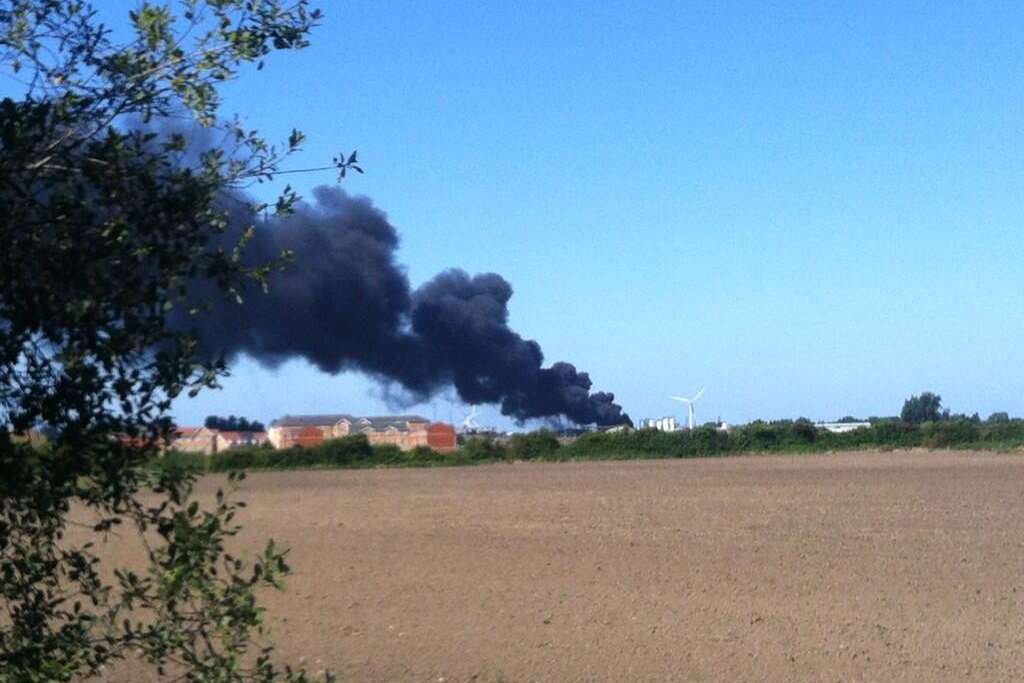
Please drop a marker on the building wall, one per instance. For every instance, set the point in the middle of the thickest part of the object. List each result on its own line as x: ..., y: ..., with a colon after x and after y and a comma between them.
x: 842, y: 427
x: 278, y: 435
x: 200, y: 441
x: 308, y: 437
x: 303, y: 435
x: 439, y: 436
x: 229, y: 440
x: 664, y: 424
x: 442, y: 437
x: 406, y: 440
x: 338, y: 430
x: 288, y: 436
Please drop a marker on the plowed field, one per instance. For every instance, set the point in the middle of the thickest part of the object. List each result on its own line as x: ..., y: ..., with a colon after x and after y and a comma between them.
x: 853, y: 567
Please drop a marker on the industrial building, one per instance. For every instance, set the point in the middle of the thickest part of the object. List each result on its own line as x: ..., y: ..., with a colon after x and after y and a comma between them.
x: 842, y: 427
x: 663, y: 424
x: 405, y: 431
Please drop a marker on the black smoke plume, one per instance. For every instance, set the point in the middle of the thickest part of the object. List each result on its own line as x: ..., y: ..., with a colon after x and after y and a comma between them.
x: 345, y: 304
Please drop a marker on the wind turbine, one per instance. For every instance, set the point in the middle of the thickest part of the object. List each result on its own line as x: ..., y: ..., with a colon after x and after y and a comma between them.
x: 691, y: 413
x: 470, y: 424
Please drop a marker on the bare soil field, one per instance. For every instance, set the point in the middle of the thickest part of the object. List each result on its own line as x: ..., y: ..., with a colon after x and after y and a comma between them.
x: 853, y: 567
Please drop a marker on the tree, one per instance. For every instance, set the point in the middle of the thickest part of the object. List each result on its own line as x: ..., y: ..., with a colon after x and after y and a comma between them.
x: 999, y: 417
x: 233, y: 424
x: 104, y: 227
x: 805, y: 430
x: 924, y: 408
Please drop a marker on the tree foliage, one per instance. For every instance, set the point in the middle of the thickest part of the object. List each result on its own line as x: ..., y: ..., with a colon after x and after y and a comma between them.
x: 233, y: 424
x: 532, y: 445
x: 924, y: 408
x: 104, y: 227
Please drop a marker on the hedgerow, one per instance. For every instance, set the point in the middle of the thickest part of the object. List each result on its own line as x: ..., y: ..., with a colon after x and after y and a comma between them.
x: 798, y: 436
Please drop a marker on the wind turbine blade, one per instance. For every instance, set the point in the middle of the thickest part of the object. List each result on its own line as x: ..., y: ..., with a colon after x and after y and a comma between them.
x: 679, y: 398
x: 699, y: 393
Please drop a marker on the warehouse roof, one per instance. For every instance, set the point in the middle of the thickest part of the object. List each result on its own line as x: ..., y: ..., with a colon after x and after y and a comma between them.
x: 310, y: 420
x: 381, y: 422
x: 377, y: 423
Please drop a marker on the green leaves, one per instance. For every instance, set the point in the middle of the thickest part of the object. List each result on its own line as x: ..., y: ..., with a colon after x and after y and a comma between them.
x: 152, y: 24
x: 349, y: 164
x: 105, y: 231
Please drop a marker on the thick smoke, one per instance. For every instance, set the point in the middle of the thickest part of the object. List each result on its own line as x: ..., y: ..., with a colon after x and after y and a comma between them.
x: 345, y: 304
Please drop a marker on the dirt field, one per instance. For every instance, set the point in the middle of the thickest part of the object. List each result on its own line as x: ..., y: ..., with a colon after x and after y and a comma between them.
x: 860, y: 567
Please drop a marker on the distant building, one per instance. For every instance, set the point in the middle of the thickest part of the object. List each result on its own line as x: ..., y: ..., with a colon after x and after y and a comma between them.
x: 405, y: 431
x: 206, y: 440
x: 616, y: 429
x: 662, y: 424
x: 442, y: 437
x: 307, y: 430
x: 195, y: 440
x: 841, y: 427
x: 227, y: 440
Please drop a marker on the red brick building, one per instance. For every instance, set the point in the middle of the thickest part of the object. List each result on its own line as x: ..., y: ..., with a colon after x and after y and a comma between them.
x: 441, y: 437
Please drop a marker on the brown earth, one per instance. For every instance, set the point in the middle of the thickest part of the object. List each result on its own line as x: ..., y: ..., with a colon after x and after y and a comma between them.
x: 855, y: 567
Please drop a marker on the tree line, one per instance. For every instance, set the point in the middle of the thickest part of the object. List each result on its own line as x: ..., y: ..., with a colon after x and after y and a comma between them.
x: 233, y: 424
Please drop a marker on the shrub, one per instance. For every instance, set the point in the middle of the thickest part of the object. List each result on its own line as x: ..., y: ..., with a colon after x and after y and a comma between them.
x: 389, y: 454
x: 533, y: 445
x: 426, y: 455
x: 237, y: 459
x: 709, y: 441
x: 480, y: 449
x: 179, y: 461
x: 345, y: 452
x: 943, y: 434
x: 762, y: 436
x: 1007, y: 433
x: 598, y: 445
x: 805, y: 431
x: 895, y: 434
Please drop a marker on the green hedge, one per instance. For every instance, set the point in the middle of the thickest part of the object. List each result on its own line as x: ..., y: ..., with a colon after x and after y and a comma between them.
x: 798, y: 436
x: 347, y: 452
x: 786, y: 436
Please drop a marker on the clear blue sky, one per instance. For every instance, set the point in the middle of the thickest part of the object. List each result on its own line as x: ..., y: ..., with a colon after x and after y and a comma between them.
x: 812, y: 208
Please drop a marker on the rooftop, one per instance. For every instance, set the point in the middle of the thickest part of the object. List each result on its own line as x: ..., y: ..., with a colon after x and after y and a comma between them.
x: 311, y: 420
x: 376, y: 422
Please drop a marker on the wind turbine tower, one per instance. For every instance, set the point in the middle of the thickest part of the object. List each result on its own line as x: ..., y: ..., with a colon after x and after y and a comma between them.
x: 691, y: 413
x: 469, y: 425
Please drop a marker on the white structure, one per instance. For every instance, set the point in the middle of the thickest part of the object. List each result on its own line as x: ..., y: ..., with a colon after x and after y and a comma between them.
x: 691, y: 414
x: 842, y: 427
x: 664, y: 424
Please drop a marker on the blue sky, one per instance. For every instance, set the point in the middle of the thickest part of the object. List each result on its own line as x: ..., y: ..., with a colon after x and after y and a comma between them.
x: 813, y: 209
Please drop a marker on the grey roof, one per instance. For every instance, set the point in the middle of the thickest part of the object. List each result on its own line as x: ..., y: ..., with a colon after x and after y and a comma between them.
x: 381, y: 422
x: 310, y: 420
x: 376, y: 423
